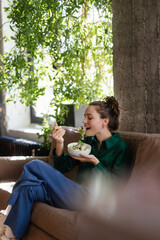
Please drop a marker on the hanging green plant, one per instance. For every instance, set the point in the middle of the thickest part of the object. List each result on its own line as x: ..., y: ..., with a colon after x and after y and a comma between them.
x: 77, y: 38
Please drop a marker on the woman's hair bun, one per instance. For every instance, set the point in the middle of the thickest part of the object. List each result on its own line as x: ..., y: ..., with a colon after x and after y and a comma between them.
x: 108, y: 108
x: 113, y: 104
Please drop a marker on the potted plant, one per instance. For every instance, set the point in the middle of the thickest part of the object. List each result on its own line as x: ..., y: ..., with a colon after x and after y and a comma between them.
x: 45, y: 134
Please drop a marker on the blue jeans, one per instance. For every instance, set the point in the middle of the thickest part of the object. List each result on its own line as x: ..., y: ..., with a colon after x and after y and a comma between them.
x: 41, y: 182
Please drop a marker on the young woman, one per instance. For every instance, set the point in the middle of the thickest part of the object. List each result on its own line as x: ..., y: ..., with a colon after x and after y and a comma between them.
x: 41, y: 182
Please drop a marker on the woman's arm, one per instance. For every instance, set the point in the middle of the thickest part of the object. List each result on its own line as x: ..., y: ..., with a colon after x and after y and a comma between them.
x: 62, y: 162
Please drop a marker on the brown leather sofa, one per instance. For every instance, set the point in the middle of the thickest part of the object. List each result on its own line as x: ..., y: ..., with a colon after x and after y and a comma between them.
x: 137, y: 210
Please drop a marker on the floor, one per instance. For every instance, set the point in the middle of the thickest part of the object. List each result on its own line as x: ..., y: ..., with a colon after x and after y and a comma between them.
x: 2, y: 227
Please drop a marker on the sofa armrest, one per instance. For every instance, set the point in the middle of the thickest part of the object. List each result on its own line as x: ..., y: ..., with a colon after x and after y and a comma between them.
x: 11, y: 167
x: 59, y: 223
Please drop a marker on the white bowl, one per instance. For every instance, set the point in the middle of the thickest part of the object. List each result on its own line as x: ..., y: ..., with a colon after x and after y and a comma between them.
x: 77, y: 153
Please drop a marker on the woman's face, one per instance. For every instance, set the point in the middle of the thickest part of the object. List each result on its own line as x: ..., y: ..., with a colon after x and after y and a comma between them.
x: 93, y: 123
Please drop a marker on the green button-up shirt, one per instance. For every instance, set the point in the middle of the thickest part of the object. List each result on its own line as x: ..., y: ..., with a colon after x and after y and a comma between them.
x: 113, y: 156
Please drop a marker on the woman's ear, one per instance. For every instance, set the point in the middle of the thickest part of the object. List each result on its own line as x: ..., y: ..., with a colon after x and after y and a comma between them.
x: 105, y: 122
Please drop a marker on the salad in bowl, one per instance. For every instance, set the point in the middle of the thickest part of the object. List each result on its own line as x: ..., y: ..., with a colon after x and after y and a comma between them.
x: 78, y: 148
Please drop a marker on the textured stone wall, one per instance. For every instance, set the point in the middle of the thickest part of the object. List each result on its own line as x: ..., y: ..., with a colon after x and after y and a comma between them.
x: 136, y: 38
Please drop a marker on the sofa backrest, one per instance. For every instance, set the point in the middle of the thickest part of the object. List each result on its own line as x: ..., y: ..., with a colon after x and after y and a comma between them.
x: 148, y: 157
x: 132, y: 139
x: 143, y: 185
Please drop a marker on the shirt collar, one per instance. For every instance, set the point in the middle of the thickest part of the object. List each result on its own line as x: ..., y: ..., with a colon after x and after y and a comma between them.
x: 109, y: 142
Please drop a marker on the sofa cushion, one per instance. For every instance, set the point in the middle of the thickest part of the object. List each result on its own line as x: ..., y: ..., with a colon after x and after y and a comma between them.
x: 60, y: 223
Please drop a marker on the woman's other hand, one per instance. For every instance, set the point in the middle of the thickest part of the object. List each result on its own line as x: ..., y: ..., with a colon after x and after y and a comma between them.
x: 87, y: 158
